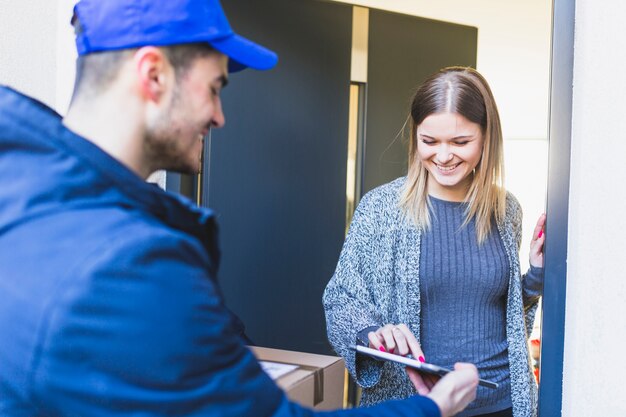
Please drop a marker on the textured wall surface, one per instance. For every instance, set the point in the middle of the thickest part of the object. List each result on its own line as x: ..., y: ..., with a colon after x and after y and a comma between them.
x: 595, y: 321
x: 28, y: 47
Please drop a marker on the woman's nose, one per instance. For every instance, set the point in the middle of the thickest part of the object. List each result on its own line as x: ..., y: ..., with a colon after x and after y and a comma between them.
x: 443, y: 154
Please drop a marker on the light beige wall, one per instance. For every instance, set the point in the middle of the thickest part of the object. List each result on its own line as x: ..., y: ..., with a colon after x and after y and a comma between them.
x: 37, y: 49
x: 28, y: 47
x: 595, y: 321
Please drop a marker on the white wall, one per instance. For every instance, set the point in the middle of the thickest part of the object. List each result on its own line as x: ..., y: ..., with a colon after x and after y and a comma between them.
x: 37, y: 49
x: 595, y: 321
x: 28, y: 47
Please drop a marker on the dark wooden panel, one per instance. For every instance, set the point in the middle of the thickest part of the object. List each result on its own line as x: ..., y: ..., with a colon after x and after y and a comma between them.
x: 277, y: 170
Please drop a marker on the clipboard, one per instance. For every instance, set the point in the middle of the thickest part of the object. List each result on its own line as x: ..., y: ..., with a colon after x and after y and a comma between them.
x: 428, y: 368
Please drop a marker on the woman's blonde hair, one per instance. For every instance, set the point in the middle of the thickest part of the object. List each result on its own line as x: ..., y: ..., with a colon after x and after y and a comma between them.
x: 463, y: 91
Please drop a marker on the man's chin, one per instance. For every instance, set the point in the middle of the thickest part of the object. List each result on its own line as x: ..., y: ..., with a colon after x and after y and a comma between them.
x: 189, y: 171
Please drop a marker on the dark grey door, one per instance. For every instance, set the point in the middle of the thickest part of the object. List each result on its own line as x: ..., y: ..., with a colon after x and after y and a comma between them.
x: 277, y: 170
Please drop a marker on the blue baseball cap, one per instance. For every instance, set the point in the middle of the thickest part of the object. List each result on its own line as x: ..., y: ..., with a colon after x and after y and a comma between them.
x: 107, y: 25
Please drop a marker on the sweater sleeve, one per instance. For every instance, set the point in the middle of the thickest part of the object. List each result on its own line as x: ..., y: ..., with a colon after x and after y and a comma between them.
x: 532, y: 285
x: 532, y: 281
x: 348, y: 301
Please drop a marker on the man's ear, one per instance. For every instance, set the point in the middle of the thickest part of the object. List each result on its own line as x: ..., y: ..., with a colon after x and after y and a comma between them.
x: 154, y: 73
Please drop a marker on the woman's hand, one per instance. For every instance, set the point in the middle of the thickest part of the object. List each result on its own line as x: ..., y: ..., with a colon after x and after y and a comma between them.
x: 536, y: 244
x: 398, y: 339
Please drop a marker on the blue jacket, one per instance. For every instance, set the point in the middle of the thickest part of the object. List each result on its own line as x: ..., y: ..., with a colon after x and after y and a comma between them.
x: 108, y: 299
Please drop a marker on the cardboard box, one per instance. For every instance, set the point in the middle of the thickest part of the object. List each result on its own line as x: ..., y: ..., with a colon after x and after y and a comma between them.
x: 317, y: 383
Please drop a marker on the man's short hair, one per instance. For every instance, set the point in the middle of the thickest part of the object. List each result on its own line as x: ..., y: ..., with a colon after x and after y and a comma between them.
x: 96, y: 71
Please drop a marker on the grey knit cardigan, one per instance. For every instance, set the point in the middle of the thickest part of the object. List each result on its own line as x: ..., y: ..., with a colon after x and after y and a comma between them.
x: 377, y: 282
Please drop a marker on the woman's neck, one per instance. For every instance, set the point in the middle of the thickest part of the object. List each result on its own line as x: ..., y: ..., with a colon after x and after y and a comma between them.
x: 456, y: 193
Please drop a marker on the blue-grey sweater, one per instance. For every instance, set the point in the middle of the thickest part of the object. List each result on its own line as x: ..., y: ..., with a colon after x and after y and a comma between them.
x: 377, y: 281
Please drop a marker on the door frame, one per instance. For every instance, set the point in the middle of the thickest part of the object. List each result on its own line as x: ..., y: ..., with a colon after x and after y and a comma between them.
x: 557, y: 209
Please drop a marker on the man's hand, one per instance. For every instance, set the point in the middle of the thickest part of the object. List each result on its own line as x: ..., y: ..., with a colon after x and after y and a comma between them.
x: 456, y: 390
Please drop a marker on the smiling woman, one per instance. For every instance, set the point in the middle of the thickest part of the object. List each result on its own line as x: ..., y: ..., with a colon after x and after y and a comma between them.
x: 449, y: 147
x: 436, y: 254
x: 457, y: 108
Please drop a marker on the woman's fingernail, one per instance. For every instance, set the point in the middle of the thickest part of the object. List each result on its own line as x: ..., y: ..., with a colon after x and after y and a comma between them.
x: 382, y: 349
x: 540, y: 234
x: 391, y: 350
x: 421, y: 359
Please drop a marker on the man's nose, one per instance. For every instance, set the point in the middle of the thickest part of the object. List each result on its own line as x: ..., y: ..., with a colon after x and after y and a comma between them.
x: 219, y: 120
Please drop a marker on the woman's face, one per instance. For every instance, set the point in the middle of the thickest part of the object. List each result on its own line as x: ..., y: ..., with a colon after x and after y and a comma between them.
x: 450, y: 147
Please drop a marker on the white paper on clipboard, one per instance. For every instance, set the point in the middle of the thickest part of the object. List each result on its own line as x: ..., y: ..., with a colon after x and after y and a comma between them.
x: 275, y: 370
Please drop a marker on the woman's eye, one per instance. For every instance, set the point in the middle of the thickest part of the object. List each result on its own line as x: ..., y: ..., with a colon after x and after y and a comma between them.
x: 462, y: 142
x: 428, y: 141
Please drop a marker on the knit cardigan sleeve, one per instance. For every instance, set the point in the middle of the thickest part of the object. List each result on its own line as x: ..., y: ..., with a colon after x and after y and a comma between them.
x: 532, y: 280
x: 349, y: 301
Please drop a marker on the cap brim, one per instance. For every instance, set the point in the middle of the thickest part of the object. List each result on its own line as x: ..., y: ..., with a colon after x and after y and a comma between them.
x: 244, y: 53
